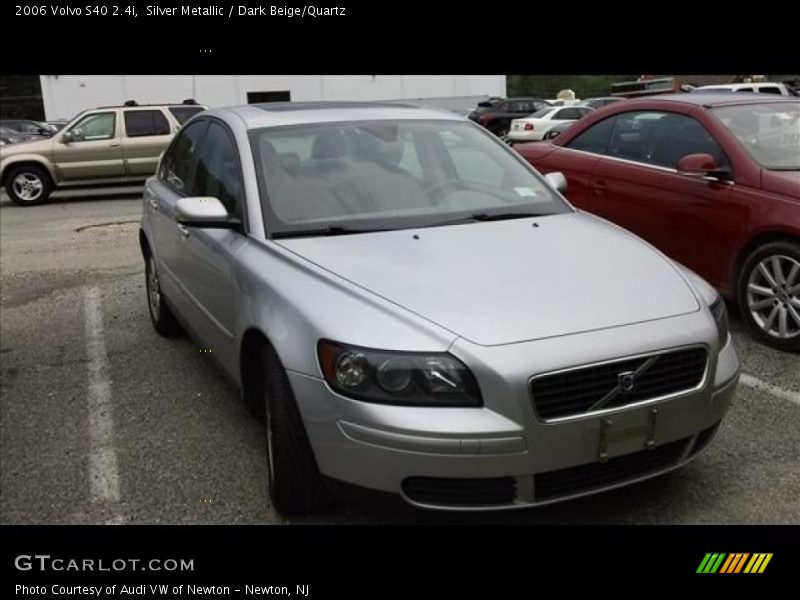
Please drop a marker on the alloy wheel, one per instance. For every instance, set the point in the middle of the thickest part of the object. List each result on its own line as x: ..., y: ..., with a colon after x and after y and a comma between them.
x: 28, y: 186
x: 773, y: 296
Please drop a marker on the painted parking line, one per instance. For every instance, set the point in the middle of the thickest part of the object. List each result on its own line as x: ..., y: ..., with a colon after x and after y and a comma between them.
x: 774, y: 390
x: 103, y: 474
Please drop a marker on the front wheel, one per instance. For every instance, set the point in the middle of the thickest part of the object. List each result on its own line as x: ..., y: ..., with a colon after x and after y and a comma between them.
x: 28, y: 185
x: 160, y: 314
x: 768, y: 292
x: 295, y: 483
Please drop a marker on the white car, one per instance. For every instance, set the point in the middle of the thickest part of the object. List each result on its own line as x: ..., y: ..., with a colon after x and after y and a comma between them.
x: 761, y: 87
x: 533, y: 127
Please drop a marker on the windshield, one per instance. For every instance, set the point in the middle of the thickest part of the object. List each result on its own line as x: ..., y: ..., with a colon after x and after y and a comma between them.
x: 392, y: 175
x: 769, y: 132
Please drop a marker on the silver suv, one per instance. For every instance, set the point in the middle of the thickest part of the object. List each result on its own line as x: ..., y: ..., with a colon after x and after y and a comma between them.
x: 107, y: 145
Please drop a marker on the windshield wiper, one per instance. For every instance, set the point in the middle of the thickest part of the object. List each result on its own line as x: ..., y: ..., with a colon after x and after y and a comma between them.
x: 503, y: 216
x: 481, y: 216
x: 322, y: 231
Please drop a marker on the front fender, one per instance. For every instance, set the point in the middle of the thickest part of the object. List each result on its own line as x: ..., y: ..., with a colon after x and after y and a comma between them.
x: 9, y: 161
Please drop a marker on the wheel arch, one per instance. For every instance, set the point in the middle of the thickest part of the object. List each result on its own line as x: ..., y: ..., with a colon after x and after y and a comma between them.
x: 251, y: 369
x: 752, y: 244
x: 26, y: 159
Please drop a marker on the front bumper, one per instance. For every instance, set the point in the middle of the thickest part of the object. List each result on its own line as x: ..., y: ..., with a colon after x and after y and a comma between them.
x: 502, y: 455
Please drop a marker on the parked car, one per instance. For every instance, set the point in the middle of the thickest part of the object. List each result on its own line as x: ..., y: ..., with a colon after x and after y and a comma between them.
x: 601, y: 101
x: 109, y: 145
x: 711, y: 180
x: 496, y: 116
x: 57, y: 125
x: 27, y: 127
x: 533, y: 127
x: 415, y: 310
x: 8, y: 136
x: 557, y: 130
x: 762, y: 87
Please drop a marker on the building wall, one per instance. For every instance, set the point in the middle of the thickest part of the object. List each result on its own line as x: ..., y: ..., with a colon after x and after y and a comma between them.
x: 66, y: 95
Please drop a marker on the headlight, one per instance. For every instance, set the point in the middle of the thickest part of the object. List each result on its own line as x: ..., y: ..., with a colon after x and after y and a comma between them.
x: 405, y: 378
x: 721, y: 317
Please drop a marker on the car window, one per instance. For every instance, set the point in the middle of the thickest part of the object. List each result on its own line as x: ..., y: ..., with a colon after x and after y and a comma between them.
x: 97, y: 126
x: 140, y: 123
x: 178, y: 162
x: 768, y: 131
x: 540, y: 114
x: 661, y: 138
x: 184, y: 113
x: 743, y: 90
x: 595, y: 139
x: 582, y: 112
x: 218, y: 173
x: 769, y: 90
x: 27, y: 127
x: 390, y: 174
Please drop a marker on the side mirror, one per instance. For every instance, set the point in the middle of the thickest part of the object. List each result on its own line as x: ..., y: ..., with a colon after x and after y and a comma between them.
x: 204, y: 211
x: 67, y: 138
x: 557, y: 181
x: 702, y: 165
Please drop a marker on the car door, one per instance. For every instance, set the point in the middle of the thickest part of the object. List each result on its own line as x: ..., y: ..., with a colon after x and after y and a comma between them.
x: 94, y: 150
x: 636, y: 185
x: 173, y: 181
x: 578, y: 159
x: 147, y: 132
x: 205, y: 262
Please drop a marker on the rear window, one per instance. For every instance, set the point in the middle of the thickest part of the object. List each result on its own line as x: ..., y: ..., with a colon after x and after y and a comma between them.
x: 139, y: 123
x: 184, y: 113
x: 540, y: 114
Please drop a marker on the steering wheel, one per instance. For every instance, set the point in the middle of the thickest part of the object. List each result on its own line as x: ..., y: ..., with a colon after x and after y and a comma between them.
x: 436, y: 188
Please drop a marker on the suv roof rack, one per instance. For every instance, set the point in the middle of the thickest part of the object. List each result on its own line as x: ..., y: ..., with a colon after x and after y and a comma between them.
x: 189, y: 101
x: 131, y: 103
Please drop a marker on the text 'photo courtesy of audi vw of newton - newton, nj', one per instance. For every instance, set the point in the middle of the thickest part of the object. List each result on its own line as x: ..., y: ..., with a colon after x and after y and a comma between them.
x: 413, y: 309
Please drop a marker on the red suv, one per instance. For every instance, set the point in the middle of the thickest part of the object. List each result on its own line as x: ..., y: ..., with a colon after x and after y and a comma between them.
x: 712, y: 180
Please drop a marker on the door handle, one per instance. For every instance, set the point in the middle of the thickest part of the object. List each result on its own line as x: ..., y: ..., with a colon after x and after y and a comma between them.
x: 114, y: 144
x: 184, y: 231
x: 153, y: 204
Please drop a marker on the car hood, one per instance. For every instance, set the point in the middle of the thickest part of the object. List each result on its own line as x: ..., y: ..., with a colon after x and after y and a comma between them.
x: 508, y: 281
x: 782, y: 182
x: 38, y: 145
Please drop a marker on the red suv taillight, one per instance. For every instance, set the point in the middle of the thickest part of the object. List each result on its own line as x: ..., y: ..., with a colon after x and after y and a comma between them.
x: 528, y: 126
x: 485, y: 119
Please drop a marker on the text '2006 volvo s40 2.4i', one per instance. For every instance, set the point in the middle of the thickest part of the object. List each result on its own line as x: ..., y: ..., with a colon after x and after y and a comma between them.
x: 413, y: 309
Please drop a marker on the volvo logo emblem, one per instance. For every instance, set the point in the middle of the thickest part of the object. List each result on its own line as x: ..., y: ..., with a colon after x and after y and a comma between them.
x: 626, y: 382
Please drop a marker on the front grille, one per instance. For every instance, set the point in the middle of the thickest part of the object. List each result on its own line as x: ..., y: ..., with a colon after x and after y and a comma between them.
x: 578, y: 390
x: 585, y: 478
x: 461, y: 492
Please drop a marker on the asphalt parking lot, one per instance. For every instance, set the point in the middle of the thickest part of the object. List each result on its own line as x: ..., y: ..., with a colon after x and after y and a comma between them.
x: 88, y: 388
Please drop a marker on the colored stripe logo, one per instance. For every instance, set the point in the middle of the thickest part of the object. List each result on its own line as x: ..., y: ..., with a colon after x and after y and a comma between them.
x: 737, y: 562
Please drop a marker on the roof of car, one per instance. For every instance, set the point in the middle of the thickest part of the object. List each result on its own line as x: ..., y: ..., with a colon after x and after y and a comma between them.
x: 715, y: 98
x: 295, y: 113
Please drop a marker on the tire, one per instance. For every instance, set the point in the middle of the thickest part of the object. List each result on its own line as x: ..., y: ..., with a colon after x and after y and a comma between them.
x: 768, y: 293
x: 28, y: 185
x: 161, y: 316
x: 295, y: 483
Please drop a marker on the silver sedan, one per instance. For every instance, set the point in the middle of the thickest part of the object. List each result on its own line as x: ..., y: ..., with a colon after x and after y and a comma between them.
x: 412, y: 309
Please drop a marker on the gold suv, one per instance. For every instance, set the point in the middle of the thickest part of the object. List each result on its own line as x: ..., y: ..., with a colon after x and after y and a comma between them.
x: 107, y: 145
